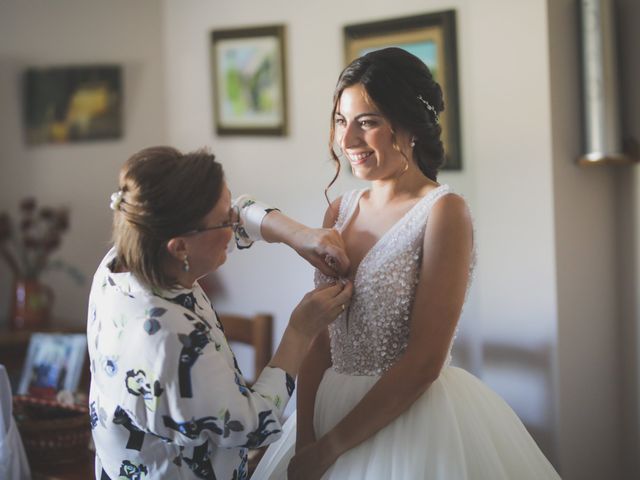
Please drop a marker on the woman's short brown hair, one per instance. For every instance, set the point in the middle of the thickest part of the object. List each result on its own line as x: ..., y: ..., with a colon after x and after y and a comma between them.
x: 165, y: 193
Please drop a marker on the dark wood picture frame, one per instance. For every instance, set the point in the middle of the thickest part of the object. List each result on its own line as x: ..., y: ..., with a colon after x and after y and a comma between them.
x: 431, y: 37
x: 68, y: 104
x: 249, y: 80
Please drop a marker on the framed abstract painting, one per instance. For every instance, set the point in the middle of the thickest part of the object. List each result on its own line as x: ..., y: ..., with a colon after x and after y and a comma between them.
x: 249, y: 87
x: 72, y: 104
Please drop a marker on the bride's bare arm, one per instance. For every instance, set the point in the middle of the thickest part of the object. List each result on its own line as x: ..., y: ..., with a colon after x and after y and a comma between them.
x: 438, y: 302
x: 318, y: 359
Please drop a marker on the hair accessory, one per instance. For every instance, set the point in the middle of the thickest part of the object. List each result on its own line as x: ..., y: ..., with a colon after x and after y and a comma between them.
x: 429, y: 107
x: 185, y: 264
x: 116, y: 200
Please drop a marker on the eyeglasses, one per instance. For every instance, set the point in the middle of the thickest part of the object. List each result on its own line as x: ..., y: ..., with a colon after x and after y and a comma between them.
x: 233, y: 223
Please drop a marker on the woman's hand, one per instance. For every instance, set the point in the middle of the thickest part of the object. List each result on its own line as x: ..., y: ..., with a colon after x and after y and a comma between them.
x: 320, y: 307
x: 323, y: 248
x: 310, y: 463
x: 317, y: 309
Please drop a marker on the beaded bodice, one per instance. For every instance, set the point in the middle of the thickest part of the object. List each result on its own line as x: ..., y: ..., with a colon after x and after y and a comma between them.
x: 374, y: 331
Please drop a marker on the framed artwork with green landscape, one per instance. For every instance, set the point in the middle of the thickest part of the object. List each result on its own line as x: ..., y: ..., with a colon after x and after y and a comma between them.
x: 432, y: 38
x: 249, y: 87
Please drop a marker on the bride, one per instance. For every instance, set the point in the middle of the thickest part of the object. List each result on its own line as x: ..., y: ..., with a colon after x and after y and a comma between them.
x: 377, y: 398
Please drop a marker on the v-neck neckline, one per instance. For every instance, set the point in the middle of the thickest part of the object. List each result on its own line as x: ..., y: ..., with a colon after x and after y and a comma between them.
x: 355, y: 205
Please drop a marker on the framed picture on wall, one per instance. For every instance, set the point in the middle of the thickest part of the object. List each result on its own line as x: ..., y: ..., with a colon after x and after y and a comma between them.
x: 432, y: 38
x: 249, y: 87
x: 72, y: 104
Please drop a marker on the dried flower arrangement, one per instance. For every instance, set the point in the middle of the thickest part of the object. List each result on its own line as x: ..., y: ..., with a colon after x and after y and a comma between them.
x: 26, y: 245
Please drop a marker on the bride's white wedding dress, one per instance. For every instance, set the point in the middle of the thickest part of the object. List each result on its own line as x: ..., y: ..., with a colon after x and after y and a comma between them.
x: 457, y: 430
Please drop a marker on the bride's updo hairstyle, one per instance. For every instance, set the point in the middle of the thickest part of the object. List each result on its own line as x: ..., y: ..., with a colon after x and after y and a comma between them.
x: 163, y: 193
x: 401, y: 86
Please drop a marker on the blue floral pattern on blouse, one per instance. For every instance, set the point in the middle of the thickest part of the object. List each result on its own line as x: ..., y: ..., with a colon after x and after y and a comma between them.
x: 168, y: 399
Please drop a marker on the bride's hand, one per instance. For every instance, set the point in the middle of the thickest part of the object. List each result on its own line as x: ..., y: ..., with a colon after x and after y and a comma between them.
x: 323, y: 248
x: 310, y: 463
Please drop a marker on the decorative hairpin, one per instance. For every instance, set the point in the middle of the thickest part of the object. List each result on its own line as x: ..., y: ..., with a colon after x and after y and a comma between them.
x: 429, y: 107
x: 116, y: 200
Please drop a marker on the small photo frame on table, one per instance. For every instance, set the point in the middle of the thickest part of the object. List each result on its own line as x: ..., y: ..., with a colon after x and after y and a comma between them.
x: 249, y: 85
x: 54, y: 363
x: 432, y: 38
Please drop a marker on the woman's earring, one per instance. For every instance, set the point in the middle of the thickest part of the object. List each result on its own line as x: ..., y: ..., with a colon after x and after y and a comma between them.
x: 413, y: 142
x: 185, y: 264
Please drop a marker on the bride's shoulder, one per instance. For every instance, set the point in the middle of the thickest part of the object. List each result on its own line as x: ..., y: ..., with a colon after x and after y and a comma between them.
x: 445, y: 198
x: 450, y: 209
x: 450, y: 202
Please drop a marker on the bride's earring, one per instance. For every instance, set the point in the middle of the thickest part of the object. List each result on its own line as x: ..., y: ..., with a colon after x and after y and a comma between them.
x: 404, y: 169
x: 185, y: 264
x: 406, y: 161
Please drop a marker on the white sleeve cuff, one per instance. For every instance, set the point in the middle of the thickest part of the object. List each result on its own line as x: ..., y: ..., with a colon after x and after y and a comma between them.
x: 277, y: 385
x: 252, y: 212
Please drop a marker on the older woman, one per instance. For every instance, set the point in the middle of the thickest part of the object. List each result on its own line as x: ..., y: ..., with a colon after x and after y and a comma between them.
x: 167, y: 397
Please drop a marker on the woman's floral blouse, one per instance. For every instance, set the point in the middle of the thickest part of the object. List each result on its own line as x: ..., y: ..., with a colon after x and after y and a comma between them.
x: 167, y: 397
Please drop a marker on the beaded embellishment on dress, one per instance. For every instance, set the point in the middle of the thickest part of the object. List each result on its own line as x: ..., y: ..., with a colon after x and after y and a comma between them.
x: 376, y: 331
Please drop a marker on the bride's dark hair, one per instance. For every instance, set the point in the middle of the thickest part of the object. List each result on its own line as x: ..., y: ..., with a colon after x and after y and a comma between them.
x: 401, y: 86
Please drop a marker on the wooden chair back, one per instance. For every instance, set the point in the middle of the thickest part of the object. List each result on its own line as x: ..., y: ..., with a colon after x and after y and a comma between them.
x: 256, y: 331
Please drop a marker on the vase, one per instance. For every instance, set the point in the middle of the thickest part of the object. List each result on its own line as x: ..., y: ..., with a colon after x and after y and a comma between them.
x: 32, y: 302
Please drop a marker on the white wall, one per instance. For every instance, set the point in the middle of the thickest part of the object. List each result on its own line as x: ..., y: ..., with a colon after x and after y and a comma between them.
x: 585, y: 229
x: 628, y: 218
x: 509, y: 146
x: 82, y: 176
x: 290, y: 172
x: 511, y: 316
x: 541, y: 323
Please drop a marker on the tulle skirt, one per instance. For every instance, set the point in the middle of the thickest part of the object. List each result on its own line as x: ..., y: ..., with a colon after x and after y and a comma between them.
x: 458, y: 429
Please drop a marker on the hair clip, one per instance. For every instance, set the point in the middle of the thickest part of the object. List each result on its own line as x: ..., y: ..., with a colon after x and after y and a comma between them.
x: 116, y: 200
x: 429, y: 107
